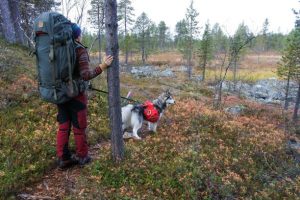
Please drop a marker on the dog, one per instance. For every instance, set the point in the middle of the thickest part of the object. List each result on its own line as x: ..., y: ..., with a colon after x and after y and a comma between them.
x: 133, y: 115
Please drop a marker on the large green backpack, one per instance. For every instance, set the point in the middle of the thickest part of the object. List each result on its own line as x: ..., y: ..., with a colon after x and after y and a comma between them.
x: 55, y: 53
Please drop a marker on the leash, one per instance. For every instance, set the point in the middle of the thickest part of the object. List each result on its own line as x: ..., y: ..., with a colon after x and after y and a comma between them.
x: 105, y: 92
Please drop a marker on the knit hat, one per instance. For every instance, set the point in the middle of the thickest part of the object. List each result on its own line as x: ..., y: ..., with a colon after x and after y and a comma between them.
x: 76, y: 30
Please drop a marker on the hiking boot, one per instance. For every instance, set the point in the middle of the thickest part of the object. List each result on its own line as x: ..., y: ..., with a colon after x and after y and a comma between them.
x: 83, y: 160
x: 66, y: 163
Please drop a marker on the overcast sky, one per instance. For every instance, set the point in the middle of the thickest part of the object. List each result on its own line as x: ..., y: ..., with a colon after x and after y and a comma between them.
x: 228, y: 13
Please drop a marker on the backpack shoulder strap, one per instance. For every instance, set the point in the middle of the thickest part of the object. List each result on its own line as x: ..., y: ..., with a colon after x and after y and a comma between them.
x: 79, y: 45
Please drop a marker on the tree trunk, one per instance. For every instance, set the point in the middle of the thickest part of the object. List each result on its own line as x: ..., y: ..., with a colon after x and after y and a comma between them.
x: 16, y: 18
x: 287, y: 89
x: 7, y: 25
x: 126, y: 38
x: 204, y: 69
x: 143, y: 49
x: 218, y: 95
x: 190, y: 52
x: 126, y: 49
x: 113, y: 80
x: 295, y: 115
x: 99, y: 32
x: 234, y: 74
x: 1, y: 31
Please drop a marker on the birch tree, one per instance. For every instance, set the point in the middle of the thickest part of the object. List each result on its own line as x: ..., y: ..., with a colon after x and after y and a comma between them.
x: 229, y: 56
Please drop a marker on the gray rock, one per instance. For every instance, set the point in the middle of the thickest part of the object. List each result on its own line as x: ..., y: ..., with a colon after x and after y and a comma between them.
x: 150, y: 71
x: 259, y: 92
x: 197, y: 78
x: 235, y: 110
x: 269, y: 90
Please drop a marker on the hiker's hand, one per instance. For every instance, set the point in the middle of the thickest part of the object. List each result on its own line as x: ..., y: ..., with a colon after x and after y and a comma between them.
x: 108, y: 60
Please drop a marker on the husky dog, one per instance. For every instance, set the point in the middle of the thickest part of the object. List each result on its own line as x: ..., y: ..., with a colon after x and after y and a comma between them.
x: 133, y: 115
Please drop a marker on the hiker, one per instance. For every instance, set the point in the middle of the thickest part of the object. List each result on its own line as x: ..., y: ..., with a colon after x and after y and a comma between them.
x: 73, y: 113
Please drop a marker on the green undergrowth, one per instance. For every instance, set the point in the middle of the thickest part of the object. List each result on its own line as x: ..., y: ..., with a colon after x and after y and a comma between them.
x: 28, y: 125
x: 198, y: 156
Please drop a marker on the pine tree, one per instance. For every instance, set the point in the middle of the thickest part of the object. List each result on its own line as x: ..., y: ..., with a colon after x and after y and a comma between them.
x: 289, y: 66
x: 220, y: 40
x: 240, y: 37
x: 142, y: 27
x: 205, y: 50
x: 265, y: 33
x: 97, y: 18
x: 162, y: 34
x: 113, y: 80
x: 181, y: 36
x: 193, y: 29
x: 125, y: 18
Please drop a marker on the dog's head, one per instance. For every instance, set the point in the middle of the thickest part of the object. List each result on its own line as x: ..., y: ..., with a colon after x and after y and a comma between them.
x: 167, y: 98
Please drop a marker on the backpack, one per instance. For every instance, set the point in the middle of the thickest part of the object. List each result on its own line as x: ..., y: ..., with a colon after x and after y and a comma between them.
x: 151, y: 114
x: 55, y: 57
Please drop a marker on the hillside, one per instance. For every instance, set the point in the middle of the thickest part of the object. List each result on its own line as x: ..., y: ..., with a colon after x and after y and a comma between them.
x: 198, y: 152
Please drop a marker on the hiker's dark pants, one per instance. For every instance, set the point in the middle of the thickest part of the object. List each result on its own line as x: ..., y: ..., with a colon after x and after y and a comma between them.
x: 72, y: 113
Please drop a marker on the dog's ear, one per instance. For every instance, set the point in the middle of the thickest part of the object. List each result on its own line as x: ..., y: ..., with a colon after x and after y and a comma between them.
x: 168, y: 91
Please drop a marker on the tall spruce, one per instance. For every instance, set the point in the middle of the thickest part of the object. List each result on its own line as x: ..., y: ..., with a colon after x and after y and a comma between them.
x: 193, y: 29
x: 162, y: 34
x: 289, y: 67
x: 241, y: 35
x: 265, y: 33
x: 142, y: 27
x: 97, y: 18
x: 205, y: 49
x: 125, y: 17
x: 219, y: 40
x: 181, y: 37
x: 113, y: 80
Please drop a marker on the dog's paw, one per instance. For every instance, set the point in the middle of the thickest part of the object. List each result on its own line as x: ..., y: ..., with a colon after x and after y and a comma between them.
x: 137, y: 138
x: 127, y: 135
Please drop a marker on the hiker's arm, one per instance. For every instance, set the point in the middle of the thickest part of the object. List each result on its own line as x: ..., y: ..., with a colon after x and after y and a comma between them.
x: 85, y: 71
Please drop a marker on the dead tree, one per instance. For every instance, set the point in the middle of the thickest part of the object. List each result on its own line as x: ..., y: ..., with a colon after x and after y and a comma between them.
x: 113, y: 80
x: 80, y: 11
x: 232, y: 56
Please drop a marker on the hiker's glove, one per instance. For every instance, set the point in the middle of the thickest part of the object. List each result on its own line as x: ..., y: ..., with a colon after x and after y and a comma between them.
x: 107, y: 62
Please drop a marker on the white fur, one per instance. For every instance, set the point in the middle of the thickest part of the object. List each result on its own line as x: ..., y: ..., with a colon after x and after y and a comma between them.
x: 134, y: 120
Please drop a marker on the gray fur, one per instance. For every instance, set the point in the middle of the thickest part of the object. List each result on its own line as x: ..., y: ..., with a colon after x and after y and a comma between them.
x: 132, y: 116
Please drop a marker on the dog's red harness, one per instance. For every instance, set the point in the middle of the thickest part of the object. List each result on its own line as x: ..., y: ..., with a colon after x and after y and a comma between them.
x: 151, y: 114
